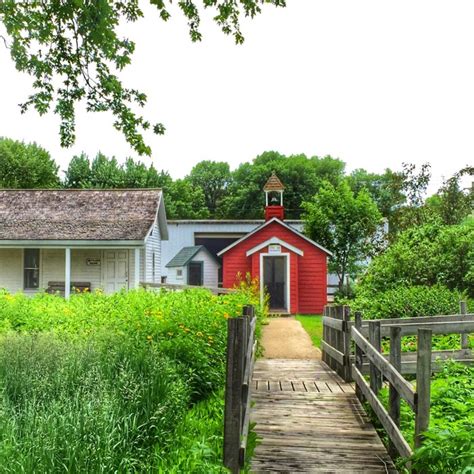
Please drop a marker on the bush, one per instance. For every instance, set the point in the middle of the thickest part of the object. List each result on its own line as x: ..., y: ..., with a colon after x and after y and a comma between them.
x: 407, y: 302
x: 428, y: 255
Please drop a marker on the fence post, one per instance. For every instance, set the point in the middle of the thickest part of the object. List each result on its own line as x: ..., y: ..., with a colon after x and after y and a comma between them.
x: 423, y: 385
x: 358, y: 355
x: 324, y: 356
x: 233, y: 393
x: 346, y: 317
x: 331, y: 339
x: 394, y: 396
x: 464, y: 337
x: 376, y: 341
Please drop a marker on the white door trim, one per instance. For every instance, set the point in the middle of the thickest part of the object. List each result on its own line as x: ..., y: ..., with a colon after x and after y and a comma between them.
x: 288, y: 281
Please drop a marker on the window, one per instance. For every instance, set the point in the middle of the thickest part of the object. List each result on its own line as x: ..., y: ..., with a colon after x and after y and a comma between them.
x: 31, y: 269
x: 179, y: 273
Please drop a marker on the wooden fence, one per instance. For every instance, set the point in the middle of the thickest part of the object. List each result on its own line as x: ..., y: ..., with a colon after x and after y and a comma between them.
x: 241, y: 349
x: 340, y: 334
x: 176, y: 287
x: 337, y: 340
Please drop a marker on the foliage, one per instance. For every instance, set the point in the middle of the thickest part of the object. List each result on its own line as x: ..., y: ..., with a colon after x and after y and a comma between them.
x: 451, y: 203
x: 385, y: 189
x: 449, y: 443
x: 184, y: 201
x: 427, y: 255
x: 26, y: 165
x: 104, y: 383
x: 74, y: 52
x: 213, y: 179
x: 344, y: 223
x: 104, y: 172
x: 406, y: 302
x: 301, y: 176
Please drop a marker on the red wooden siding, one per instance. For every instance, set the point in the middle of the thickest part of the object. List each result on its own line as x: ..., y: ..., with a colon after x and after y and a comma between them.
x: 308, y: 273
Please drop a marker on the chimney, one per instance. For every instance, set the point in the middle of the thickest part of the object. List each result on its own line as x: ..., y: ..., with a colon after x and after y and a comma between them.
x: 274, y: 198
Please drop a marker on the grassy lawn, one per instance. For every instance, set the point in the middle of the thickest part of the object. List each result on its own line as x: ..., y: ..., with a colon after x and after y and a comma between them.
x: 313, y: 325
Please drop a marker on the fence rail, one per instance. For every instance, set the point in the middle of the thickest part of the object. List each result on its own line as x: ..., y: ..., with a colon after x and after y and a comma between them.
x: 340, y: 334
x: 241, y: 350
x: 176, y: 287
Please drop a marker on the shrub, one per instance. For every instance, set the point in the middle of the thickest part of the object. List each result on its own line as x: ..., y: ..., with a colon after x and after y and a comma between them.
x: 428, y: 255
x: 407, y: 302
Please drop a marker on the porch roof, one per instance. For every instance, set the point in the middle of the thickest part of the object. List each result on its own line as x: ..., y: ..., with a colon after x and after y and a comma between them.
x: 120, y: 215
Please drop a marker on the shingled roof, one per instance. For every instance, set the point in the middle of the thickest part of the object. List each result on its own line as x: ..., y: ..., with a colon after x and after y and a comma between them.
x: 185, y: 255
x: 273, y: 183
x: 125, y: 214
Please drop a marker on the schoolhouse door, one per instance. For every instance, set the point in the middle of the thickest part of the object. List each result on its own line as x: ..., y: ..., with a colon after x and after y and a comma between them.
x: 274, y: 279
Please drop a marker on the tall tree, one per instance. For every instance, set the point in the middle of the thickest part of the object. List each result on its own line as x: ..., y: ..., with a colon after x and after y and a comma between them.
x: 213, y: 178
x: 345, y: 223
x: 74, y: 52
x: 452, y: 203
x: 302, y: 177
x: 184, y: 201
x: 78, y: 173
x: 26, y: 165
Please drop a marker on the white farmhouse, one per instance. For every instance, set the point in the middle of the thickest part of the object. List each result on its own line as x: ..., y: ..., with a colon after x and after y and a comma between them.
x: 58, y: 240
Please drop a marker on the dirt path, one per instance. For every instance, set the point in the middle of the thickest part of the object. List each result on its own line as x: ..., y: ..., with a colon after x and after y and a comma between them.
x: 285, y: 338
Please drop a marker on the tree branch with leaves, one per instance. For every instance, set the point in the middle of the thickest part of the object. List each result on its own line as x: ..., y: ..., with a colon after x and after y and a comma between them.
x: 74, y: 53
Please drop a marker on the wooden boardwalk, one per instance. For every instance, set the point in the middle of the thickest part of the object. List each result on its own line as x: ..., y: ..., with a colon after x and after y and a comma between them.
x: 309, y: 420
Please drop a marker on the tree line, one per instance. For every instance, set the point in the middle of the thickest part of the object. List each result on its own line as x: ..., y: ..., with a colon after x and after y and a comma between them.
x: 355, y: 215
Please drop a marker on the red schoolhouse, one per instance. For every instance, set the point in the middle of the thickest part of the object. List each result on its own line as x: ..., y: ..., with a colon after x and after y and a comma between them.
x: 290, y: 267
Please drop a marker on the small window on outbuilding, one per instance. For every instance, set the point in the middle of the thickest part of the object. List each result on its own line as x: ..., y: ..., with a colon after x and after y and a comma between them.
x: 179, y: 273
x: 31, y: 269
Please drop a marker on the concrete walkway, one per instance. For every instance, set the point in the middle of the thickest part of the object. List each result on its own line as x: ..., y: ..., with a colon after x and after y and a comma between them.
x: 285, y: 338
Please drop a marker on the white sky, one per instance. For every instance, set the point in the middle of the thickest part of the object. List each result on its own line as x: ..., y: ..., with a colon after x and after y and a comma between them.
x: 372, y: 82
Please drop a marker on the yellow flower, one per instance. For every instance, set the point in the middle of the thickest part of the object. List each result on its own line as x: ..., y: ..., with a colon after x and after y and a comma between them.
x: 149, y: 338
x: 199, y: 334
x: 170, y: 334
x: 226, y: 315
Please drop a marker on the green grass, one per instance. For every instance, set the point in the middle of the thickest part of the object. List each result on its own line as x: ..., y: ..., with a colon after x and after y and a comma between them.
x: 313, y: 325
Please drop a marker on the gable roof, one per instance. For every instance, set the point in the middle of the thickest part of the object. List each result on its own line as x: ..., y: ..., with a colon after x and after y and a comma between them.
x: 277, y: 241
x: 185, y: 255
x: 278, y: 221
x: 81, y: 214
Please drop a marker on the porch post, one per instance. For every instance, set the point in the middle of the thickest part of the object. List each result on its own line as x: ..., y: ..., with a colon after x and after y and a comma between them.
x: 67, y: 276
x: 137, y: 269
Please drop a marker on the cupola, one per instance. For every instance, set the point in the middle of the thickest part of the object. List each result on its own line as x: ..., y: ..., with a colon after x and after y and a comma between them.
x: 274, y: 198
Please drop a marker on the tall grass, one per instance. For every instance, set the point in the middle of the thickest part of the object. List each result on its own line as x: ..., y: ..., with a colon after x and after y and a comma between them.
x: 103, y: 384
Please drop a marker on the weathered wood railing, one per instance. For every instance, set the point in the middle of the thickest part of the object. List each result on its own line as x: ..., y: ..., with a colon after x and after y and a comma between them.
x: 336, y: 341
x: 175, y: 287
x: 241, y: 349
x: 340, y: 334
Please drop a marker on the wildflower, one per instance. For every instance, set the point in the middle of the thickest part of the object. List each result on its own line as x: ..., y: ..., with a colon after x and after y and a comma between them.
x: 199, y: 334
x: 149, y: 338
x: 226, y: 315
x: 170, y: 333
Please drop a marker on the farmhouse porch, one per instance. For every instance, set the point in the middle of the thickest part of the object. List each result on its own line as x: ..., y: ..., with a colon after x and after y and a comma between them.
x: 58, y: 240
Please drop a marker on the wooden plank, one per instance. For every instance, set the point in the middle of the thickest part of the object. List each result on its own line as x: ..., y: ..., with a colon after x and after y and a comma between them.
x: 359, y: 354
x: 394, y: 396
x: 446, y: 327
x: 464, y: 337
x: 376, y: 342
x: 333, y: 323
x: 392, y: 430
x: 233, y: 391
x: 424, y: 319
x: 403, y: 387
x: 423, y: 385
x: 336, y: 355
x: 346, y: 349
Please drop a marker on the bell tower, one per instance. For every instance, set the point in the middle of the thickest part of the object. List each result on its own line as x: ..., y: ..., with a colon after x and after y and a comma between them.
x: 274, y: 198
